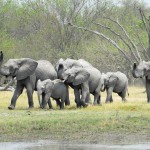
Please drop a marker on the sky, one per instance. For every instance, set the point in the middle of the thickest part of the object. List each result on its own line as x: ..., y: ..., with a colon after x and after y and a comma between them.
x: 147, y: 2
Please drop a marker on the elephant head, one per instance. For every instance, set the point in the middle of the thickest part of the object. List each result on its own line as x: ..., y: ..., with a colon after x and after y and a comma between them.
x: 108, y: 80
x: 104, y: 81
x: 75, y: 75
x: 19, y: 68
x: 46, y: 87
x: 142, y: 70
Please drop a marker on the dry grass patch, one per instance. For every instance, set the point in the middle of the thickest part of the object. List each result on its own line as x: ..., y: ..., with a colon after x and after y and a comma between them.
x: 73, y: 123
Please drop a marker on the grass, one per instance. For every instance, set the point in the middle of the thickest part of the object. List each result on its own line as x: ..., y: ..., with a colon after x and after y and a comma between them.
x: 73, y: 123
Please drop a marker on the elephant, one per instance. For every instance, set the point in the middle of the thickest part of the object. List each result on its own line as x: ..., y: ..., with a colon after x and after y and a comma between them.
x: 140, y: 71
x: 55, y: 89
x: 27, y: 72
x: 114, y: 82
x: 80, y: 74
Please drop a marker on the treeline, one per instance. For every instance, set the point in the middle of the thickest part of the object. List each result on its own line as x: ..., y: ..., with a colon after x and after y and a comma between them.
x: 44, y: 29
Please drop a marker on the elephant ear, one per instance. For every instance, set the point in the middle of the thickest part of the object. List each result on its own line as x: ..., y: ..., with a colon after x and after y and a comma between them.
x: 49, y: 86
x: 81, y: 76
x: 134, y: 65
x: 112, y: 80
x: 27, y: 67
x: 60, y: 61
x: 1, y: 57
x: 147, y: 74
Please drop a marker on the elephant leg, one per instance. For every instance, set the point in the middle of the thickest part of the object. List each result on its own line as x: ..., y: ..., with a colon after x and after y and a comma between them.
x: 62, y: 101
x: 62, y: 104
x: 30, y: 95
x: 148, y: 90
x: 77, y: 96
x: 85, y: 92
x: 50, y: 104
x: 39, y: 99
x: 109, y: 94
x: 58, y: 102
x: 96, y: 97
x: 88, y: 99
x: 122, y: 95
x: 99, y: 100
x: 111, y: 99
x: 67, y: 100
x: 17, y: 93
x: 45, y: 100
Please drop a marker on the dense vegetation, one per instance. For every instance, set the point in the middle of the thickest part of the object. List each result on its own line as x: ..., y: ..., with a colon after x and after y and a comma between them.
x: 39, y: 29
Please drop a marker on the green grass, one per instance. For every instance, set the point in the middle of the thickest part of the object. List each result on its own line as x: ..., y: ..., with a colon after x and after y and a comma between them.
x: 73, y: 123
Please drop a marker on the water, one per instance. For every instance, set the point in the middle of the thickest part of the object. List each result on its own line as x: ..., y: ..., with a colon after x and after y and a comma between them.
x: 55, y: 145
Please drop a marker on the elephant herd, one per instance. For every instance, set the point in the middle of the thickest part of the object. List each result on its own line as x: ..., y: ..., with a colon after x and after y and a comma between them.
x: 54, y: 82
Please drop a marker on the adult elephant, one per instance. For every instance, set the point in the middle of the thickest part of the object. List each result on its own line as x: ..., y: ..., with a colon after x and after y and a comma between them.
x: 143, y: 70
x: 114, y: 82
x: 27, y: 72
x: 80, y: 74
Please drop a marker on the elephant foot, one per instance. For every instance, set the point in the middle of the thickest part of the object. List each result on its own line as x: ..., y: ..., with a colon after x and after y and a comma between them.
x: 67, y: 103
x: 78, y: 105
x: 107, y: 102
x: 11, y: 107
x: 98, y: 102
x: 85, y: 105
x: 30, y: 107
x: 95, y: 103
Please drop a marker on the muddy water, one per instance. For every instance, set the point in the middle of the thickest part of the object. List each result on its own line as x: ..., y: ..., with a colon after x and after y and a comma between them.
x: 54, y: 145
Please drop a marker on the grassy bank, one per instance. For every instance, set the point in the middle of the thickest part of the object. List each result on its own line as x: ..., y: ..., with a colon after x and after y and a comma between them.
x: 73, y: 123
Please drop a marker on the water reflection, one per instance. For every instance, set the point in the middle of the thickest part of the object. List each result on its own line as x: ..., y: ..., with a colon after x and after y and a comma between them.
x: 54, y: 145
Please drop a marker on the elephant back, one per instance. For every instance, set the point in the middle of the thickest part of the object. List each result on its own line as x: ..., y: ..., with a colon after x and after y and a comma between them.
x: 45, y: 70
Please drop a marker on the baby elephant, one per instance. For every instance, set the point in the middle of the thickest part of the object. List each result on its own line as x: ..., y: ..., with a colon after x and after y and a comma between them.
x: 55, y: 89
x: 114, y: 82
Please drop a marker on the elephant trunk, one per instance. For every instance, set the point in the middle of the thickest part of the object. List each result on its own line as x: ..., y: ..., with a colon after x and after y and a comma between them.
x: 137, y: 74
x: 39, y: 99
x: 134, y: 71
x: 102, y: 88
x: 4, y: 71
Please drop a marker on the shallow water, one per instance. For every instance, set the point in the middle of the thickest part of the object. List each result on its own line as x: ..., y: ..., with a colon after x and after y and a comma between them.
x: 54, y: 145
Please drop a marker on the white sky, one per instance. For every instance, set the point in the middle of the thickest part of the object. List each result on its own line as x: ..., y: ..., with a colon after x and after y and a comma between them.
x: 147, y: 2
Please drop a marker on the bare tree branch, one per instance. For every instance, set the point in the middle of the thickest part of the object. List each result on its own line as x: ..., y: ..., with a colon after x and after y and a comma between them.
x: 105, y: 37
x: 6, y: 88
x: 126, y: 34
x: 123, y: 40
x: 144, y: 19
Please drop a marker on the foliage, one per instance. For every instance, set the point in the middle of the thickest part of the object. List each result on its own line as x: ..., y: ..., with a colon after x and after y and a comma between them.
x: 39, y: 29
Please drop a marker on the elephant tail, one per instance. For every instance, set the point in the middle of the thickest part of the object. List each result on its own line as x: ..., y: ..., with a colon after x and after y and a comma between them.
x: 128, y: 92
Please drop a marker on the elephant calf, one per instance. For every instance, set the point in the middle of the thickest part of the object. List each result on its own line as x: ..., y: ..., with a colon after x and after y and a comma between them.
x: 114, y: 82
x: 55, y: 89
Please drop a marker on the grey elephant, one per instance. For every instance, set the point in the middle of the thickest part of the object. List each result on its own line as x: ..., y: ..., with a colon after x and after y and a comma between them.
x: 27, y: 71
x: 114, y: 82
x: 80, y: 74
x: 142, y: 70
x: 55, y: 89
